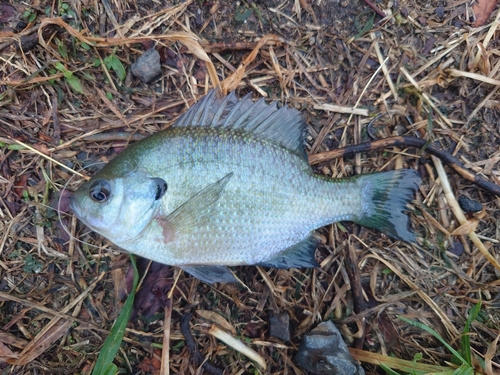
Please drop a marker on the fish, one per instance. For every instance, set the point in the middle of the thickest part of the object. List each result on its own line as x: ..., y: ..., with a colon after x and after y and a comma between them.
x: 229, y: 184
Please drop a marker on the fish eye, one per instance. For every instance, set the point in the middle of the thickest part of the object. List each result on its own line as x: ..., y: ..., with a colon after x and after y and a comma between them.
x: 161, y: 187
x: 100, y: 190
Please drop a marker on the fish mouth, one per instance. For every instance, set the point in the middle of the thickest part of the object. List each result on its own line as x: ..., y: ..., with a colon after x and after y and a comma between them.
x: 74, y: 207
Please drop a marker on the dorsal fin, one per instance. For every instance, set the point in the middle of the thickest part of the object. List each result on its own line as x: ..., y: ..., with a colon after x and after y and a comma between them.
x: 284, y: 125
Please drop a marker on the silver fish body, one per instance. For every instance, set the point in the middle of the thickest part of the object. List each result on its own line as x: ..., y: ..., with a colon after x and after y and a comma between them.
x: 229, y: 184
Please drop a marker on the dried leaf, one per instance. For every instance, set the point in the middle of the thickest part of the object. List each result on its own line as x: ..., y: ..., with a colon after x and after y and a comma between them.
x: 231, y: 82
x: 5, y: 352
x: 217, y: 319
x: 490, y: 354
x: 482, y: 10
x: 44, y: 340
x: 468, y: 227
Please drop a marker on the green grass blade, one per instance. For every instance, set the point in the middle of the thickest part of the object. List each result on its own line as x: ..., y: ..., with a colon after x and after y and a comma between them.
x: 465, y: 341
x: 464, y: 370
x: 113, y: 341
x: 436, y: 335
x: 388, y: 370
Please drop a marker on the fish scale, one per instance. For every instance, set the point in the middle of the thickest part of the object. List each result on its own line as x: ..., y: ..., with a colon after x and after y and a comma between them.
x: 242, y: 209
x: 229, y: 184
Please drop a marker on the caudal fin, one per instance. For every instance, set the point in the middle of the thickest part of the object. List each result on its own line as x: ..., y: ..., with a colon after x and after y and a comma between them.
x: 386, y: 195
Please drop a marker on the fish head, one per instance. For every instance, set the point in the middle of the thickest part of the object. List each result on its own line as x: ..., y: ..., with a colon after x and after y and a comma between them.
x: 120, y: 207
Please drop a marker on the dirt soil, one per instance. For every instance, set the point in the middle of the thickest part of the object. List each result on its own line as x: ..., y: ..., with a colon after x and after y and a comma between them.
x: 68, y: 100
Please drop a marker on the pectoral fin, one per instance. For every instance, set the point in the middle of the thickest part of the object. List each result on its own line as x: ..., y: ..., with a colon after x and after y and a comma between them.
x: 300, y: 255
x: 194, y: 211
x: 211, y: 274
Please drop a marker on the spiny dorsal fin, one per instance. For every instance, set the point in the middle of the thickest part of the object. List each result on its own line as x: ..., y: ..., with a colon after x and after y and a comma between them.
x: 282, y: 125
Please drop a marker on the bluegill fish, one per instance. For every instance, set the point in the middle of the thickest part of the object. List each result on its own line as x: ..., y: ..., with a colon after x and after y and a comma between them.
x: 229, y: 184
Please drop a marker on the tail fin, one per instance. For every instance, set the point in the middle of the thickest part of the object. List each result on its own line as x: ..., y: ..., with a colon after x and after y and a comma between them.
x: 386, y: 195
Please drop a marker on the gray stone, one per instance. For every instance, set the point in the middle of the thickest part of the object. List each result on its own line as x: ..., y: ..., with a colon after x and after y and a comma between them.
x: 147, y: 67
x: 324, y: 352
x: 280, y: 326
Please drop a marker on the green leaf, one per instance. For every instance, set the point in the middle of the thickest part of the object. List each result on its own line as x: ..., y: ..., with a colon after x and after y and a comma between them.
x: 111, y: 370
x: 63, y: 50
x: 112, y: 62
x: 88, y: 76
x: 32, y: 17
x: 113, y: 341
x: 60, y: 67
x: 32, y: 264
x: 242, y: 16
x: 109, y: 95
x: 363, y: 25
x: 16, y: 147
x: 29, y: 15
x: 85, y: 46
x: 75, y: 83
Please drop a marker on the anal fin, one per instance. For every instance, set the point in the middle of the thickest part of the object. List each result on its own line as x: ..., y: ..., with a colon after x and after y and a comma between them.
x: 211, y: 274
x: 300, y: 255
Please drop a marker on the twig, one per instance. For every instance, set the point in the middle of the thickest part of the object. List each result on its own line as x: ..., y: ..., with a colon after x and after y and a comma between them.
x: 165, y: 357
x: 198, y: 358
x: 237, y: 345
x: 405, y: 141
x: 375, y: 8
x: 354, y: 274
x: 457, y: 211
x: 47, y: 157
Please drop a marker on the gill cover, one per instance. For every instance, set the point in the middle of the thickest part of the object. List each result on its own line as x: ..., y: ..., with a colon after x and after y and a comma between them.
x: 119, y: 208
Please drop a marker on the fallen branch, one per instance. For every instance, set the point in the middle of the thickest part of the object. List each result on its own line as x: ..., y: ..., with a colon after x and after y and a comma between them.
x: 406, y: 141
x: 198, y: 358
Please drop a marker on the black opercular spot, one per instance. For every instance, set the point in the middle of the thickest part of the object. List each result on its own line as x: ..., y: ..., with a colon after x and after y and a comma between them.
x: 161, y: 187
x: 100, y: 190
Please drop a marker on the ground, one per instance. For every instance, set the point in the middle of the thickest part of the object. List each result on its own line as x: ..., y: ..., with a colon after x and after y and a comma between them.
x: 67, y: 92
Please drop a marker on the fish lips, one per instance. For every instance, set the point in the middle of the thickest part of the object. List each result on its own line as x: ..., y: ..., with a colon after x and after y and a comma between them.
x: 74, y: 206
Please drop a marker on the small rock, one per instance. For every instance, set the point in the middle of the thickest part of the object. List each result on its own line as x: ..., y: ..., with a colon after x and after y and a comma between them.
x: 468, y: 205
x: 440, y: 12
x: 253, y: 330
x: 147, y: 67
x: 280, y: 326
x: 456, y: 248
x: 324, y: 352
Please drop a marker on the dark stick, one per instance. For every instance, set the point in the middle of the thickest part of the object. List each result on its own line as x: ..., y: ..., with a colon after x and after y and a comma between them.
x: 375, y: 8
x: 198, y: 358
x: 405, y: 141
x: 354, y: 275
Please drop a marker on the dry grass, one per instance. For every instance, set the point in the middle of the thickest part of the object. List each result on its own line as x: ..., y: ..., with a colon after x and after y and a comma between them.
x: 432, y: 73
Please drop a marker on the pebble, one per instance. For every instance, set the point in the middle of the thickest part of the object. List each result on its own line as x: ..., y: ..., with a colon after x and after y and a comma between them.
x: 147, y: 67
x: 469, y: 205
x: 324, y: 352
x: 280, y: 326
